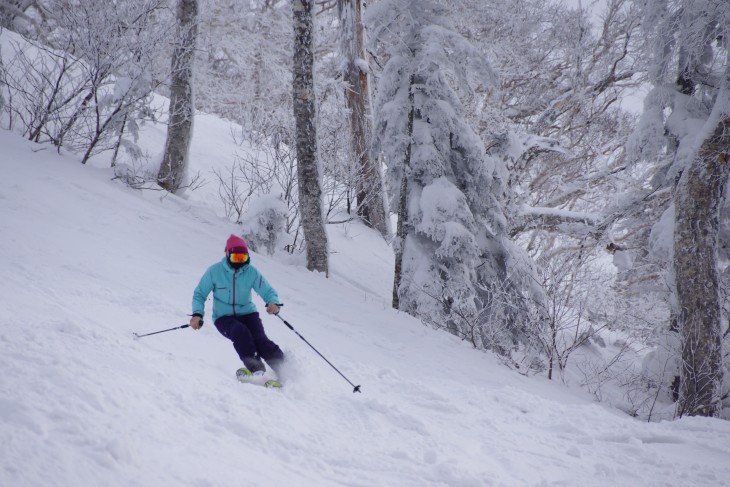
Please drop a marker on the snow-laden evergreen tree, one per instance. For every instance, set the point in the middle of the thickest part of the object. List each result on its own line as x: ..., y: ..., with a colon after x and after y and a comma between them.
x: 684, y: 135
x: 455, y: 266
x: 182, y: 106
x: 310, y: 186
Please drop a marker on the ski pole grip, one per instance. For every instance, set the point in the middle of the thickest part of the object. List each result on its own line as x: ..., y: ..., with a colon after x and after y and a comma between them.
x: 201, y: 324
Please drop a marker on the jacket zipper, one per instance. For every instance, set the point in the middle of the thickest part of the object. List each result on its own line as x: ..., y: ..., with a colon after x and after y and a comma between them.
x: 235, y: 271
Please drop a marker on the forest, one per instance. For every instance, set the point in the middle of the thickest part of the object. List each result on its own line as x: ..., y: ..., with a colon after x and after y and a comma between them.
x: 543, y: 171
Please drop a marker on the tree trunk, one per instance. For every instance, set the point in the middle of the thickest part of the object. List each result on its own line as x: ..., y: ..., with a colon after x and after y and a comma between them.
x: 2, y: 83
x: 403, y: 224
x: 310, y: 190
x: 697, y: 203
x: 369, y: 191
x: 180, y: 125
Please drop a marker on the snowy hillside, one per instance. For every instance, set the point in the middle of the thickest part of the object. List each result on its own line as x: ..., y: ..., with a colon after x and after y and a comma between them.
x: 86, y: 261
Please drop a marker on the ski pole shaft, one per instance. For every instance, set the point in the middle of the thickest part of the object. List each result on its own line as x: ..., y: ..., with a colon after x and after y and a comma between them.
x: 355, y: 388
x: 136, y: 335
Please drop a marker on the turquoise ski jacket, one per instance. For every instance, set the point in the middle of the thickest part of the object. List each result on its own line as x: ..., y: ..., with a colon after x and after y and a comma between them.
x: 231, y: 290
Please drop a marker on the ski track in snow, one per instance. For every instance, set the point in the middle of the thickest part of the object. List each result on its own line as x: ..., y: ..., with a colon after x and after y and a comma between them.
x: 86, y: 262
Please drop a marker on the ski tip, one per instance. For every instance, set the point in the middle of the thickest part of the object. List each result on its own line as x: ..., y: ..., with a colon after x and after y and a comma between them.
x: 245, y: 376
x: 273, y: 384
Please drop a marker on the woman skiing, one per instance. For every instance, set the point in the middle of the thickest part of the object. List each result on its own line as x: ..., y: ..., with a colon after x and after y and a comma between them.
x: 234, y: 314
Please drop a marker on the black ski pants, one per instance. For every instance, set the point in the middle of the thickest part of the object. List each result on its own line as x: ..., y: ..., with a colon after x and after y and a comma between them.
x: 250, y: 341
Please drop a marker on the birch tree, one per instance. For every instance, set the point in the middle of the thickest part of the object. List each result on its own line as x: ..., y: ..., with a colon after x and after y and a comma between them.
x: 180, y: 123
x: 310, y: 189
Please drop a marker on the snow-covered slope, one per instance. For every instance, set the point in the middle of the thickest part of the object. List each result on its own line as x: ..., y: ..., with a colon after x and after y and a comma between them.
x: 85, y: 262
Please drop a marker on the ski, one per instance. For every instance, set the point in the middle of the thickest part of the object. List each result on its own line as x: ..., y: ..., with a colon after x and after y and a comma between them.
x: 245, y: 376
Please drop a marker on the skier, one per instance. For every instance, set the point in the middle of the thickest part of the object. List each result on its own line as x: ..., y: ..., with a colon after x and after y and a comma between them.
x: 234, y: 314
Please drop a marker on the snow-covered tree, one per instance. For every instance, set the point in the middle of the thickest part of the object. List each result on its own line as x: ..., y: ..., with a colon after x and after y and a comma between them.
x: 13, y: 13
x: 560, y: 129
x: 91, y: 82
x: 245, y: 52
x: 2, y: 83
x: 683, y: 134
x: 557, y: 126
x: 263, y: 224
x: 455, y: 266
x: 370, y: 188
x: 180, y: 114
x: 310, y: 189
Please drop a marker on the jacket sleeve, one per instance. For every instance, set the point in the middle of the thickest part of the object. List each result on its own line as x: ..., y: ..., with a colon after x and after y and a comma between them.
x: 264, y: 289
x: 205, y: 286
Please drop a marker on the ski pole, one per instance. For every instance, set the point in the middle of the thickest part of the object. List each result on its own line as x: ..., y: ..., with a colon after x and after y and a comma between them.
x: 355, y: 388
x: 136, y: 335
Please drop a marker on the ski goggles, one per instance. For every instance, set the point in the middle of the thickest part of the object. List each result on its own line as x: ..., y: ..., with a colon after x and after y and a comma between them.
x: 238, y: 257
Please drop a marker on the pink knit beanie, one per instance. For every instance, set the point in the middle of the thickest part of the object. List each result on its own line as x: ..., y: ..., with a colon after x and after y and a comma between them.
x: 236, y: 242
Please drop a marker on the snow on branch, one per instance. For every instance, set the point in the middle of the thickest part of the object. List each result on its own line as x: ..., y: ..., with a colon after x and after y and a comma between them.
x: 553, y: 219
